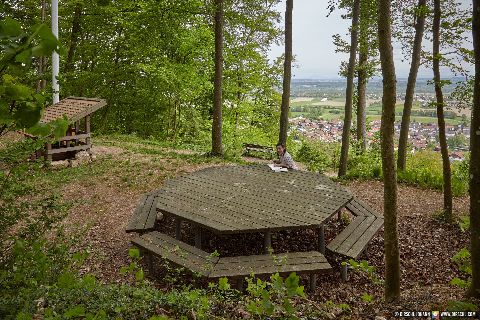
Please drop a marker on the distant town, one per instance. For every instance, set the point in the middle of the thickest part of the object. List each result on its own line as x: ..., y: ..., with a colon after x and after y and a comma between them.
x: 318, y: 114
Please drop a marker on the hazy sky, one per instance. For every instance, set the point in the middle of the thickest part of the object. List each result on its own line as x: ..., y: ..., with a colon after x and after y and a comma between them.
x: 312, y: 42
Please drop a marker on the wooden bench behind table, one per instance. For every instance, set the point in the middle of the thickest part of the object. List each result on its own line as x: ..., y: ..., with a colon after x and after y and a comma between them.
x: 352, y: 241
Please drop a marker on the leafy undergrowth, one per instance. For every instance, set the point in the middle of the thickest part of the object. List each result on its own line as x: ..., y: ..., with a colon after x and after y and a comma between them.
x: 69, y: 223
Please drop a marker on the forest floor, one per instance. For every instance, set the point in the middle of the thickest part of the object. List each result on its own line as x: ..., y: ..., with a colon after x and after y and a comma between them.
x: 103, y: 194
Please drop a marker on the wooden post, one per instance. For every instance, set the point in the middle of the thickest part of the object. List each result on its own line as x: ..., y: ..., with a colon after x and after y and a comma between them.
x: 49, y: 150
x: 178, y: 227
x: 240, y: 284
x: 150, y: 264
x: 339, y: 214
x: 321, y: 239
x: 267, y: 241
x: 344, y: 270
x: 313, y: 282
x: 87, y: 129
x: 198, y: 237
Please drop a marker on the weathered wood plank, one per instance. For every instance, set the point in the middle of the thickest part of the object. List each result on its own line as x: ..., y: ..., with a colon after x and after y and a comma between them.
x: 177, y: 252
x: 345, y: 233
x: 133, y: 224
x: 355, y: 235
x: 311, y: 262
x: 363, y: 241
x: 360, y: 206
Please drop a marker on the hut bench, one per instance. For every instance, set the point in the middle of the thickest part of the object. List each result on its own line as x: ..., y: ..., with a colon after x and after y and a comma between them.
x: 250, y: 148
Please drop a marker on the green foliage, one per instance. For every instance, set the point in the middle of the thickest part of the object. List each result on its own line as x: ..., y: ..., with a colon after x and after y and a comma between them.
x: 425, y: 169
x: 463, y: 262
x: 464, y: 223
x: 273, y: 298
x: 20, y: 105
x: 318, y: 156
x: 364, y: 267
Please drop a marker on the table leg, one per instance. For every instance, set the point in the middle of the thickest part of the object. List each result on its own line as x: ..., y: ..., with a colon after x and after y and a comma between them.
x: 313, y: 282
x: 268, y: 241
x: 321, y: 239
x: 198, y: 237
x: 178, y: 227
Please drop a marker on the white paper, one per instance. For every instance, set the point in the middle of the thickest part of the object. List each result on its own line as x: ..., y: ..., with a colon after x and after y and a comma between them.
x: 277, y: 169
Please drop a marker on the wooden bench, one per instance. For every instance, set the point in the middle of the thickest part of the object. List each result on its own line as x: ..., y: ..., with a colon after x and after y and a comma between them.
x: 311, y: 263
x: 145, y: 214
x: 250, y: 147
x: 353, y: 240
x: 203, y: 263
x: 175, y: 251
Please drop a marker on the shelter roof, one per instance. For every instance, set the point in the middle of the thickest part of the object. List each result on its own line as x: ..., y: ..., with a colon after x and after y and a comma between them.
x: 75, y: 108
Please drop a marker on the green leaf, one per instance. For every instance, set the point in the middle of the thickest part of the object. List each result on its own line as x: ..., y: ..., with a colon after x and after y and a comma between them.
x: 134, y: 253
x: 10, y: 28
x: 223, y: 284
x: 24, y: 57
x: 459, y: 283
x: 27, y: 115
x: 367, y: 298
x: 66, y: 280
x: 77, y: 311
x: 40, y: 129
x: 139, y: 276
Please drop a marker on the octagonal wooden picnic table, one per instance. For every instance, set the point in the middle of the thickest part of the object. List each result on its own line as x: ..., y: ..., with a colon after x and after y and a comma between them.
x: 241, y: 199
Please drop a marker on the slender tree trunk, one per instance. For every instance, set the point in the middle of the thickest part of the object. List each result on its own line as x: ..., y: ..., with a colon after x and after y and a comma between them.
x: 217, y: 148
x: 412, y: 79
x: 475, y: 160
x: 347, y: 123
x: 362, y: 101
x: 287, y: 74
x: 392, y: 258
x: 447, y: 174
x: 42, y: 60
x: 76, y: 29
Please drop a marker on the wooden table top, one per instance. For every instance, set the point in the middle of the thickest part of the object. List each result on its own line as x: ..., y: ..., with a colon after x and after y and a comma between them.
x: 237, y: 199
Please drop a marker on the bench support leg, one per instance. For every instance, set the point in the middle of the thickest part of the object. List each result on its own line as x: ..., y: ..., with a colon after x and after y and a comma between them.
x: 198, y: 237
x: 150, y: 264
x: 313, y: 282
x: 344, y: 271
x: 268, y: 241
x: 178, y: 227
x: 339, y: 215
x: 240, y: 282
x: 321, y: 239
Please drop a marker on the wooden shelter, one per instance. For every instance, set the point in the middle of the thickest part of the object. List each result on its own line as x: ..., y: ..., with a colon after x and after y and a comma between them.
x: 78, y: 136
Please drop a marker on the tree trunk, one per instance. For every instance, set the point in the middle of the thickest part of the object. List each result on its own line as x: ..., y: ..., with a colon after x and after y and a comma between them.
x: 392, y: 258
x: 217, y: 148
x: 362, y: 103
x: 412, y: 79
x: 76, y: 28
x: 42, y: 60
x: 447, y: 174
x: 475, y: 159
x: 287, y: 74
x: 347, y: 123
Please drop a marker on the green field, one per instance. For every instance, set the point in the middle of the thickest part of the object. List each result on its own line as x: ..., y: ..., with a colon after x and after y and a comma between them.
x: 334, y: 109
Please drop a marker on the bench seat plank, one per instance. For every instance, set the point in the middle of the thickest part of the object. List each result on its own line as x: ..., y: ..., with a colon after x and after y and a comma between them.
x: 300, y: 262
x: 357, y: 249
x: 145, y: 214
x: 180, y: 253
x: 340, y: 238
x: 358, y: 207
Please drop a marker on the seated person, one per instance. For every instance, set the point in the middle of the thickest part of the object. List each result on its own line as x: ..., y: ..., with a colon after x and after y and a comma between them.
x: 286, y: 160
